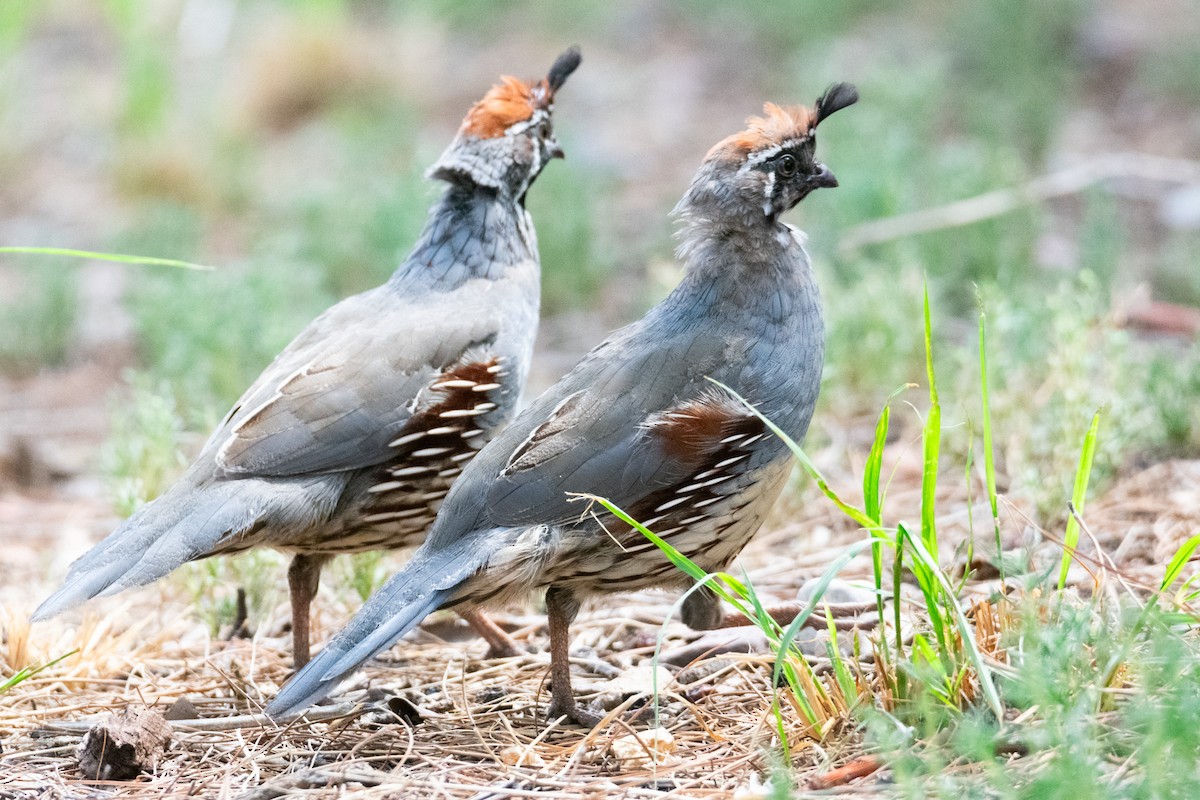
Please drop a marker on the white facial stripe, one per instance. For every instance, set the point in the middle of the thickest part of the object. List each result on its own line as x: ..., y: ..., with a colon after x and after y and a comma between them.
x: 539, y: 116
x: 766, y: 155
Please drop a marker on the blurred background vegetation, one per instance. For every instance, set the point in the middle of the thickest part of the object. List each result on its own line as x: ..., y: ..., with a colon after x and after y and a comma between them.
x: 285, y: 142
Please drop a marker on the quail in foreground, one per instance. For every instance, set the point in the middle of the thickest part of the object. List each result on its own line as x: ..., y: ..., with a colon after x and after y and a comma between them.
x: 638, y: 421
x: 351, y: 438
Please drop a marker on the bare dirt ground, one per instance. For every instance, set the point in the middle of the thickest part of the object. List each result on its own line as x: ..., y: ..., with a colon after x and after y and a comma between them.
x: 433, y: 719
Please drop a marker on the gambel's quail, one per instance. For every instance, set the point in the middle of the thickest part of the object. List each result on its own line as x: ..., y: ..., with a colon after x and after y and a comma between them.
x: 639, y: 422
x: 351, y: 438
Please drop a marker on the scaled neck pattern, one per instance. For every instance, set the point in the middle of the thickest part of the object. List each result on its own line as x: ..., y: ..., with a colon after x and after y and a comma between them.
x: 738, y: 263
x: 473, y: 232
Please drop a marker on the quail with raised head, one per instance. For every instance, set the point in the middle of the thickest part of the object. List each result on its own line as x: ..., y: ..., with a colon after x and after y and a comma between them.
x: 351, y: 438
x: 641, y: 422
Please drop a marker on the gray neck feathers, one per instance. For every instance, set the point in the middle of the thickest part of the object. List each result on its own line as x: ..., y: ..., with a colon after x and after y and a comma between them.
x: 738, y: 258
x: 505, y: 164
x: 472, y: 232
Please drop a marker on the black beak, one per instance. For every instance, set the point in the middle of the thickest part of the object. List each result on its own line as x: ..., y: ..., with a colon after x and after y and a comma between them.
x: 822, y: 178
x: 554, y: 149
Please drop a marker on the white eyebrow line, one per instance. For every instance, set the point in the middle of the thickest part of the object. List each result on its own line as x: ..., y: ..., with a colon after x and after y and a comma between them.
x: 769, y: 153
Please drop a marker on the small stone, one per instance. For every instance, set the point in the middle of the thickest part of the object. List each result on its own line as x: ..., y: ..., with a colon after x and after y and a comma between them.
x: 754, y: 790
x: 517, y: 756
x: 639, y: 750
x: 182, y: 709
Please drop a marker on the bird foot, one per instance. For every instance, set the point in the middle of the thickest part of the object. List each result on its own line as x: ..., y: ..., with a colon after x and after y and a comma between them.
x: 509, y: 649
x: 574, y: 712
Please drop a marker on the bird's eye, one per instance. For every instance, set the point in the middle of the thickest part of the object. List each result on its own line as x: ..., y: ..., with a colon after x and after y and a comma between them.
x: 787, y: 165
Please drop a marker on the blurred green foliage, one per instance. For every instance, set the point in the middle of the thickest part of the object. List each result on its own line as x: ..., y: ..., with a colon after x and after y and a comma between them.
x: 1110, y: 702
x: 295, y: 162
x: 36, y: 317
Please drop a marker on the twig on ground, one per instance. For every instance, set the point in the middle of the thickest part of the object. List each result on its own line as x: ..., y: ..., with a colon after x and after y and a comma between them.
x: 1070, y: 180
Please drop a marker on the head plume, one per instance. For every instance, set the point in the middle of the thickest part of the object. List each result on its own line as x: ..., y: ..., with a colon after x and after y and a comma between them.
x: 765, y: 170
x: 507, y: 137
x: 782, y: 125
x: 513, y: 101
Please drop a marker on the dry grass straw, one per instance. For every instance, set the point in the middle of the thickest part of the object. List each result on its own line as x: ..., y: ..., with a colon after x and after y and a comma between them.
x: 476, y: 713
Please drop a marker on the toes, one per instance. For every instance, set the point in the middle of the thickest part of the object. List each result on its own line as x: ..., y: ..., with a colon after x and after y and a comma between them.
x: 575, y: 713
x: 509, y: 650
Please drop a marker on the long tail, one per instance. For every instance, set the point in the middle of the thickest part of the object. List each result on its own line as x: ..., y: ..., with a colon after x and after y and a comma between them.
x: 178, y: 527
x: 427, y: 582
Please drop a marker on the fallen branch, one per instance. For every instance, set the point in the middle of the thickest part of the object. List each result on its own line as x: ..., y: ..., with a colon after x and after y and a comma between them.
x: 858, y: 768
x: 1070, y: 180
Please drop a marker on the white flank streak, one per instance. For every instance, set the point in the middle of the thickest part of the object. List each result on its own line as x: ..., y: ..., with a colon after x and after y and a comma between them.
x: 441, y: 431
x: 463, y: 412
x: 671, y: 504
x: 458, y: 383
x: 406, y: 471
x: 390, y: 515
x: 429, y: 452
x: 385, y: 487
x: 403, y: 440
x: 484, y: 387
x: 727, y: 462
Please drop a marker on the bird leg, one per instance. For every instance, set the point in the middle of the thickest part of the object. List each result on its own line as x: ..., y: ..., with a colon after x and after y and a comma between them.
x: 304, y: 576
x: 561, y: 608
x: 500, y: 644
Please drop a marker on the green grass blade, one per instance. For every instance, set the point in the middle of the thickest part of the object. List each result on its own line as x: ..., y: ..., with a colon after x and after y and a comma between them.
x: 983, y: 673
x: 873, y: 500
x: 1179, y: 561
x: 855, y: 514
x: 831, y: 572
x: 1078, y: 496
x: 989, y: 453
x: 25, y: 674
x: 730, y: 589
x: 932, y: 442
x: 117, y: 257
x: 841, y: 672
x: 931, y: 590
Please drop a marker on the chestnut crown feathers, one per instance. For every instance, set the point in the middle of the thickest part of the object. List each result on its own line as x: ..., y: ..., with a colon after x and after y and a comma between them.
x: 513, y: 101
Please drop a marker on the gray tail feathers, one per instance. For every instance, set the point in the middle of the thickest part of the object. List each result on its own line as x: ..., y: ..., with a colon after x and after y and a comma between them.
x: 182, y: 525
x: 429, y: 580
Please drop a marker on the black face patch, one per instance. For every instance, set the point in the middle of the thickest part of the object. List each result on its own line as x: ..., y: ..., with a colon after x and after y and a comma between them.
x: 790, y: 161
x: 786, y: 175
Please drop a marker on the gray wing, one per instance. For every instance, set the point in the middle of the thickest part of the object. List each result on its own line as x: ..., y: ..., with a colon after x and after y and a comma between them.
x: 624, y: 429
x: 345, y: 387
